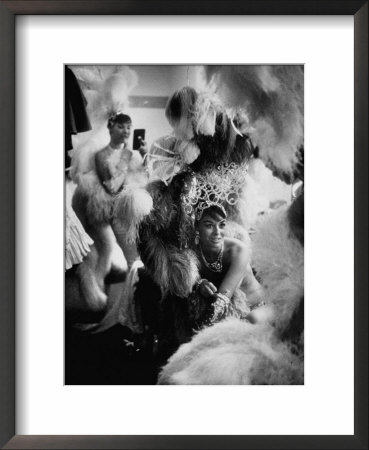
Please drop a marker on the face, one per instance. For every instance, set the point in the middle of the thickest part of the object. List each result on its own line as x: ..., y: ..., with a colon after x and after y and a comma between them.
x: 211, y: 231
x: 120, y: 132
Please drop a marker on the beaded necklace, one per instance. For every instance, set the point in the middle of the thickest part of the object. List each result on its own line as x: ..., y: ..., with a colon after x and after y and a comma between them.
x: 217, y: 265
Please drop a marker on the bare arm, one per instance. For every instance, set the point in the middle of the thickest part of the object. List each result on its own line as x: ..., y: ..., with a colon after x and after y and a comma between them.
x: 252, y: 287
x: 237, y: 253
x: 111, y: 184
x: 240, y: 256
x: 240, y: 269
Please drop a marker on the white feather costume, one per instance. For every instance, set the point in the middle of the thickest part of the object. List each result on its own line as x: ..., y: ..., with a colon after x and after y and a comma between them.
x: 109, y: 219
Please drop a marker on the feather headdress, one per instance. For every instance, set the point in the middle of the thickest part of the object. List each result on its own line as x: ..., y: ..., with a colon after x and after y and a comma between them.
x: 106, y: 89
x: 273, y: 98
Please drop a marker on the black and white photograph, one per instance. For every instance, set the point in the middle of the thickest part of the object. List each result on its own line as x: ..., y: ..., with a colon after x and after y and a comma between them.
x: 184, y: 224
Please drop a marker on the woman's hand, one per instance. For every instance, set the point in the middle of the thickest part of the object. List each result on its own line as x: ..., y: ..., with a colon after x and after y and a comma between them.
x: 143, y: 148
x: 206, y: 288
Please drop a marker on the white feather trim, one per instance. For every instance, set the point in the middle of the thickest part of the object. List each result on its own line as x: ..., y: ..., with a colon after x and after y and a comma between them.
x: 278, y: 258
x: 132, y: 205
x: 233, y: 353
x: 99, y: 206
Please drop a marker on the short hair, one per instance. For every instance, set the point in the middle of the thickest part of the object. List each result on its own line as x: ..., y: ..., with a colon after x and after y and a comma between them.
x: 118, y: 118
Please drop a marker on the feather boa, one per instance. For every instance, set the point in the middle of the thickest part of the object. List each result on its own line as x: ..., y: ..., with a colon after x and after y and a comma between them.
x: 130, y: 208
x: 174, y: 270
x: 99, y: 203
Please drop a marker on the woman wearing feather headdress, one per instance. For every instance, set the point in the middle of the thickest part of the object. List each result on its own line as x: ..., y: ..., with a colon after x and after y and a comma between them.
x: 110, y: 200
x: 115, y: 160
x: 115, y: 168
x: 224, y: 265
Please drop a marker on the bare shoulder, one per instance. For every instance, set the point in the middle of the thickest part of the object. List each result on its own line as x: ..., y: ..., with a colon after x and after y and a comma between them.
x: 102, y: 155
x: 235, y: 246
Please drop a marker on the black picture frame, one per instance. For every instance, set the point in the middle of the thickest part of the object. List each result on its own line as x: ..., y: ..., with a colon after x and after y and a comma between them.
x: 8, y: 11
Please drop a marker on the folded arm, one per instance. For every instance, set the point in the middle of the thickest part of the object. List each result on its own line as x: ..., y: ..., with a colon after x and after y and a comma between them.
x: 112, y: 184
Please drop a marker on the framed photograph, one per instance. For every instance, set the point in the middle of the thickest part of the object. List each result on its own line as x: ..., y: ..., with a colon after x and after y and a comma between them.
x: 146, y: 149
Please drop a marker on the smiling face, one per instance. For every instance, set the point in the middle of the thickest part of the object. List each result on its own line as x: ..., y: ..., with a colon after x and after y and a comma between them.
x: 211, y: 229
x: 120, y: 132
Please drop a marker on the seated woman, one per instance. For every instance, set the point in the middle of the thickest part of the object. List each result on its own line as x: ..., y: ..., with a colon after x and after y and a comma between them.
x: 225, y: 264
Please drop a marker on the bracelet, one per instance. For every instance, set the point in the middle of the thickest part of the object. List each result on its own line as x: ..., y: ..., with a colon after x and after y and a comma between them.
x: 220, y: 308
x: 226, y: 292
x: 222, y: 296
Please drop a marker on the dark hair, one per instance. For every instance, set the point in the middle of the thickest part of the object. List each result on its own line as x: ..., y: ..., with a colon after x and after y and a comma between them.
x: 213, y: 211
x: 181, y: 103
x: 118, y: 118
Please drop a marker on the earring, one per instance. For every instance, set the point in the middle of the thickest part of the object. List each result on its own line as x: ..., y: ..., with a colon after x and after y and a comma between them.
x: 197, y: 238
